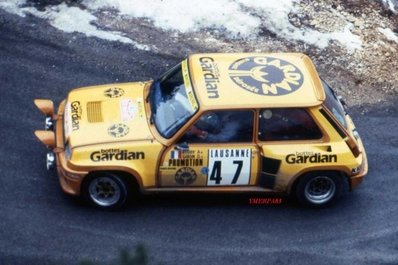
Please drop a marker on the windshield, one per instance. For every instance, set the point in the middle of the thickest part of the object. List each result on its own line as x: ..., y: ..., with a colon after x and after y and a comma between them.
x: 172, y: 100
x: 334, y: 104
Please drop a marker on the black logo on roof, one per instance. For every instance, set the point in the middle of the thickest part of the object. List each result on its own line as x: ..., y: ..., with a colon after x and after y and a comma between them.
x: 118, y: 130
x: 114, y: 92
x: 266, y: 75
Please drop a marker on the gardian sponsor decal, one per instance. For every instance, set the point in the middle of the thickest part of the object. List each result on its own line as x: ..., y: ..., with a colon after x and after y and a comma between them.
x: 76, y: 114
x: 115, y: 154
x: 266, y: 75
x: 211, y: 76
x: 310, y: 157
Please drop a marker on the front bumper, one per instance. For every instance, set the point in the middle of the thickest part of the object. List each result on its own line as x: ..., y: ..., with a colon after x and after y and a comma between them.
x: 70, y: 177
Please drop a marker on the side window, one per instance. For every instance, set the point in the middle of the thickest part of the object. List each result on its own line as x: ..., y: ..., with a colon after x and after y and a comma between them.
x: 287, y: 124
x: 334, y: 105
x: 221, y: 127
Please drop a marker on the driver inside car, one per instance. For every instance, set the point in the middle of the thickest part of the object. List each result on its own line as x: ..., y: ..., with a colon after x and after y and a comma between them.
x: 221, y: 127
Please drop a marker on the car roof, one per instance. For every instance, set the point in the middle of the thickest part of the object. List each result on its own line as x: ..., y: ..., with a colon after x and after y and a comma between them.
x: 255, y: 80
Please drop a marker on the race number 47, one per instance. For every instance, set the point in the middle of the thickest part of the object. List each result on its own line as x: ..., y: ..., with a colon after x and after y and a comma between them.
x: 229, y: 168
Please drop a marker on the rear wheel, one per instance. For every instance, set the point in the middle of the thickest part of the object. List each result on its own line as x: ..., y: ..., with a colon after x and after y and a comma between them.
x: 319, y: 189
x: 106, y: 190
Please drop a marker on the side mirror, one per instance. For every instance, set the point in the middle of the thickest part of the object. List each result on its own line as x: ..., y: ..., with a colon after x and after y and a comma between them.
x: 182, y: 147
x: 340, y: 98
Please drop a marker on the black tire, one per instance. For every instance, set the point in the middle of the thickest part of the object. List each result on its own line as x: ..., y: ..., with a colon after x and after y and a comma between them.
x: 106, y: 190
x: 319, y: 189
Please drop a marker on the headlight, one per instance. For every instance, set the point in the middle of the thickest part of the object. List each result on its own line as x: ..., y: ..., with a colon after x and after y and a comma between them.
x: 49, y: 124
x: 68, y: 152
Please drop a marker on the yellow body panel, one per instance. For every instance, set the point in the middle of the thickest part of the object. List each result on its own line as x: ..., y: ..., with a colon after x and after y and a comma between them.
x: 257, y: 80
x: 104, y: 114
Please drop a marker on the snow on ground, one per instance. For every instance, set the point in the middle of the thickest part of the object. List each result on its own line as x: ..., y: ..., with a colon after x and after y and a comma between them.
x: 68, y: 19
x: 392, y: 5
x: 389, y: 34
x: 71, y: 19
x: 12, y: 6
x: 185, y: 16
x: 238, y: 18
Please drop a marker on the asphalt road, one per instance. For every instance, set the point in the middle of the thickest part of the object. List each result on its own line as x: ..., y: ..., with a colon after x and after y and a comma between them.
x: 39, y: 225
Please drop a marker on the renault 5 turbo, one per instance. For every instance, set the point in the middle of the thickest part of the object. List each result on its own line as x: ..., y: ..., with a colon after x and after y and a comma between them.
x: 240, y: 122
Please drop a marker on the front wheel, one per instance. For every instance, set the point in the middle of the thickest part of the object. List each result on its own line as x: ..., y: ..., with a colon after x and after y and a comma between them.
x: 319, y: 189
x: 105, y: 190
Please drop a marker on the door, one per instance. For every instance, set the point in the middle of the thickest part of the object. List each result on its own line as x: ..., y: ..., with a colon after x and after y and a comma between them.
x: 217, y: 151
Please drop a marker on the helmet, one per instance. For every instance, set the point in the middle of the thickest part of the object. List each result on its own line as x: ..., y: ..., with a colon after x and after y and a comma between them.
x: 209, y: 122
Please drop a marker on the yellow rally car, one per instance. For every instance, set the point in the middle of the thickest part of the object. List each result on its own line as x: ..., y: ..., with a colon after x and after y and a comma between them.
x: 243, y: 122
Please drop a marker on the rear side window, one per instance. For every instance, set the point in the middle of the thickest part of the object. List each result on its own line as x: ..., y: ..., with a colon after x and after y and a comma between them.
x: 334, y: 105
x: 287, y: 124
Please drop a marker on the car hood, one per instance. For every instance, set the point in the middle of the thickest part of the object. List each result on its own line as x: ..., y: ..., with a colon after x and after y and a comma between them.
x: 106, y: 114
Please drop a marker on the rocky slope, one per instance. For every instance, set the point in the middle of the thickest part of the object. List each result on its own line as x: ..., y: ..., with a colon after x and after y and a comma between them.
x: 353, y: 43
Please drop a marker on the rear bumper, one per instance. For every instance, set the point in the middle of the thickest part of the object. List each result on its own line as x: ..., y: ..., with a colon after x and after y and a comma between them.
x: 358, y: 178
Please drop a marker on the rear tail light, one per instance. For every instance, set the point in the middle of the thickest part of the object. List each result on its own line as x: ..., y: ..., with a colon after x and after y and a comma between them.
x: 353, y: 147
x: 356, y: 134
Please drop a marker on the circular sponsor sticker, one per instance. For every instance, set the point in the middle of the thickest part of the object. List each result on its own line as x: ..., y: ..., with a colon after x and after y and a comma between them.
x: 265, y: 75
x: 185, y: 176
x: 118, y: 130
x: 114, y: 92
x: 204, y: 170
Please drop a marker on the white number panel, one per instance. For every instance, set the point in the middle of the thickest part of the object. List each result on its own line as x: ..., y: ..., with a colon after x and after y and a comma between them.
x: 229, y: 166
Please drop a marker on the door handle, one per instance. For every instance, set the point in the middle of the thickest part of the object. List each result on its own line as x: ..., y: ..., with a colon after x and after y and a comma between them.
x: 326, y: 148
